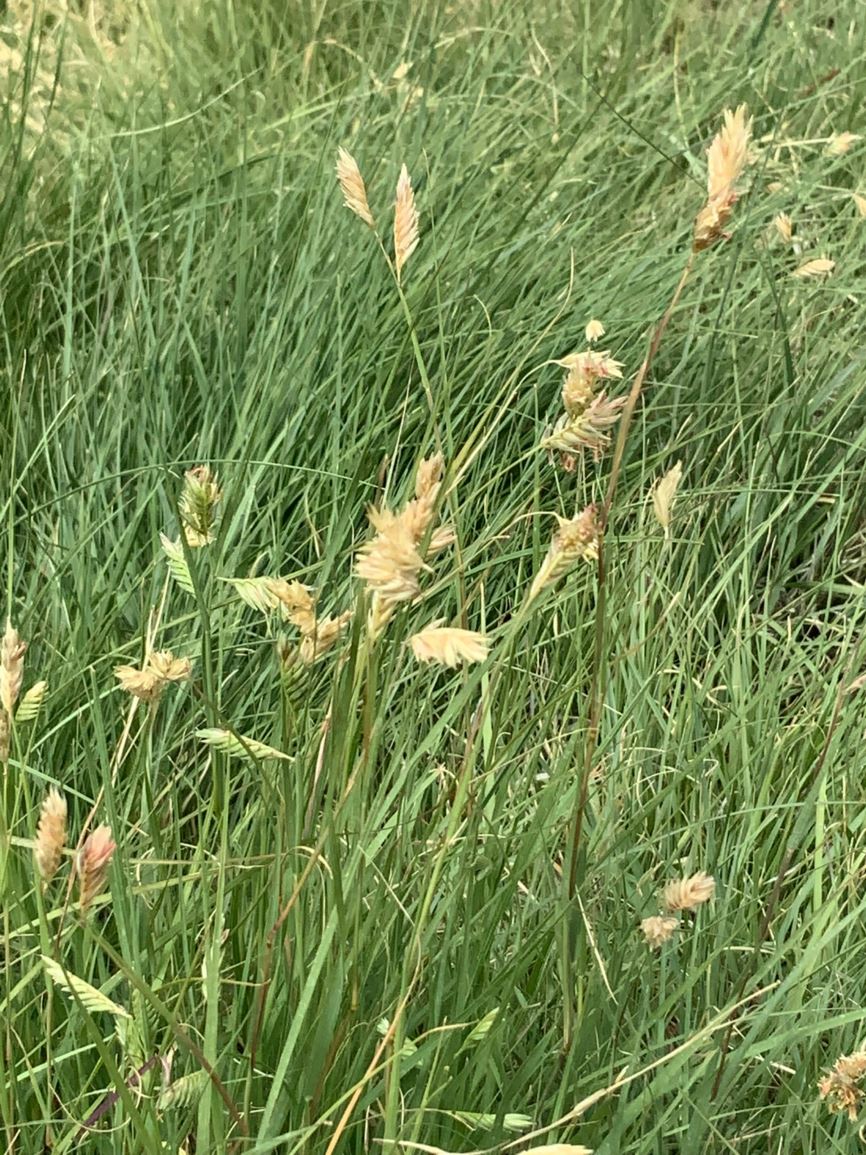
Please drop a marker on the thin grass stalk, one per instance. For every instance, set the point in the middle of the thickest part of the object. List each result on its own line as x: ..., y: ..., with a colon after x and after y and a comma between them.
x: 597, y: 685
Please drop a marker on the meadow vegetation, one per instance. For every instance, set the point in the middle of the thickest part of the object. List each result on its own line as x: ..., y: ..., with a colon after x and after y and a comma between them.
x: 433, y: 513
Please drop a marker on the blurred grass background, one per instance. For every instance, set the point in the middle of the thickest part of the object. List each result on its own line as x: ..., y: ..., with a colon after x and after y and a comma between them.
x: 180, y: 283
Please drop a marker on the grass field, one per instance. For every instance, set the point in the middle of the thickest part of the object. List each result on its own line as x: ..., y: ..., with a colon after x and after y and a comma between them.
x: 364, y: 903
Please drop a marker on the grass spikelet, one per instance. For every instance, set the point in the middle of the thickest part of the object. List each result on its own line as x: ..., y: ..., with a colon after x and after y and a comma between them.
x: 316, y: 643
x: 296, y: 602
x: 664, y: 494
x: 353, y: 187
x: 449, y: 646
x: 239, y: 746
x: 31, y: 702
x: 183, y: 1092
x: 658, y: 929
x: 841, y: 1087
x: 594, y: 331
x: 50, y: 834
x: 177, y: 564
x: 784, y: 227
x: 726, y: 158
x: 197, y: 504
x: 860, y: 202
x: 575, y: 540
x: 811, y: 270
x: 12, y: 651
x: 840, y: 143
x: 689, y: 893
x: 149, y: 682
x: 405, y: 222
x: 93, y: 1000
x: 92, y: 863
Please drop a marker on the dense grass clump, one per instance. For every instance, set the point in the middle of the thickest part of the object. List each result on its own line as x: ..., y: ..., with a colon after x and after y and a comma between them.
x: 431, y: 704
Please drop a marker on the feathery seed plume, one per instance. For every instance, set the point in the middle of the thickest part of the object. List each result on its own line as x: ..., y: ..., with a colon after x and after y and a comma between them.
x: 689, y: 893
x: 575, y: 540
x: 405, y: 222
x: 726, y: 158
x: 449, y: 647
x: 50, y: 834
x: 658, y: 929
x: 198, y: 500
x: 664, y: 494
x: 594, y: 331
x: 12, y: 651
x: 92, y: 862
x: 353, y: 188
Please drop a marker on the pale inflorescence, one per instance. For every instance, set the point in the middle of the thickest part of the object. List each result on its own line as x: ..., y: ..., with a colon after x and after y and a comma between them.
x: 658, y: 929
x: 841, y: 1087
x: 50, y: 834
x: 92, y: 863
x: 353, y: 188
x: 727, y: 156
x: 574, y: 540
x: 149, y: 681
x: 391, y: 562
x: 689, y: 893
x: 448, y: 646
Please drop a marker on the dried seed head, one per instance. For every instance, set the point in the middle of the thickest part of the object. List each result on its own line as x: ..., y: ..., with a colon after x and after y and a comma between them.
x: 594, y: 331
x: 148, y: 683
x: 689, y: 893
x: 664, y: 494
x: 860, y: 202
x: 12, y: 651
x: 587, y: 429
x: 658, y: 929
x: 92, y: 864
x: 840, y: 142
x: 297, y: 603
x: 726, y: 158
x: 199, y: 498
x: 449, y: 647
x: 392, y: 561
x: 840, y: 1088
x: 405, y: 222
x: 820, y: 267
x: 50, y: 834
x: 783, y: 226
x: 575, y: 540
x: 584, y: 369
x: 324, y: 637
x: 353, y: 187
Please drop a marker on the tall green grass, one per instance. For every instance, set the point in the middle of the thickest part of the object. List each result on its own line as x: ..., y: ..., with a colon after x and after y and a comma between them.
x: 181, y: 284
